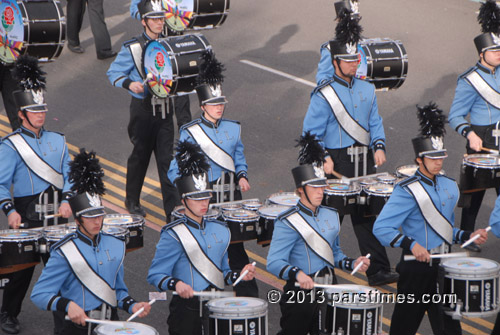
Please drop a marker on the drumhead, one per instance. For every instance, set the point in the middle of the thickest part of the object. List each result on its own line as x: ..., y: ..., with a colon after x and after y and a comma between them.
x: 339, y: 187
x: 355, y: 296
x: 179, y: 13
x: 406, y: 170
x: 157, y: 62
x: 13, y: 235
x: 471, y: 266
x: 251, y: 205
x: 12, y: 30
x: 379, y: 189
x: 125, y: 328
x: 230, y: 207
x: 55, y: 233
x: 284, y: 198
x: 271, y: 211
x: 386, y: 179
x: 237, y: 307
x: 127, y: 220
x: 484, y: 161
x: 364, y: 182
x: 115, y: 230
x: 241, y: 215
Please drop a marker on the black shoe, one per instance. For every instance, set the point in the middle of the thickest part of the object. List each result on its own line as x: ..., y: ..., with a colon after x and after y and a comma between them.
x: 76, y: 49
x: 473, y: 247
x: 10, y: 324
x: 383, y: 277
x: 106, y: 55
x: 135, y: 208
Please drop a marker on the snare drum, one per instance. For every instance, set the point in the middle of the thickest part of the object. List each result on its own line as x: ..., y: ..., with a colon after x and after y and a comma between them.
x: 284, y: 199
x: 230, y: 207
x: 19, y: 249
x: 387, y: 179
x: 342, y: 196
x: 123, y: 327
x: 251, y: 205
x: 37, y: 28
x: 195, y: 14
x: 242, y: 224
x: 237, y: 315
x: 133, y: 223
x: 384, y: 63
x: 376, y: 197
x: 267, y: 216
x: 212, y: 213
x: 117, y: 231
x: 479, y: 171
x: 474, y: 281
x: 406, y: 171
x: 173, y: 63
x: 355, y: 311
x: 52, y: 234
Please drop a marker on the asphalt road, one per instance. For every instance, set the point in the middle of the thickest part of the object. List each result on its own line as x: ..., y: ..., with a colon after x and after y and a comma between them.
x: 271, y: 51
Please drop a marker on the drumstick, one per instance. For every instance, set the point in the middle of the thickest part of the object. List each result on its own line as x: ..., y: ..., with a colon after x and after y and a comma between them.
x: 496, y: 152
x: 242, y: 275
x: 148, y: 77
x: 472, y: 239
x: 333, y: 288
x: 360, y: 265
x: 133, y: 316
x: 109, y: 322
x: 452, y: 255
x: 51, y: 216
x: 215, y: 294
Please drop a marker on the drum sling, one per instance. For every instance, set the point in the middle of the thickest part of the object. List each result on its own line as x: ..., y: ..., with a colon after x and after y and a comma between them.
x: 87, y: 276
x: 214, y: 152
x: 432, y: 216
x: 488, y: 93
x: 313, y: 239
x: 197, y: 257
x: 35, y: 163
x: 345, y: 120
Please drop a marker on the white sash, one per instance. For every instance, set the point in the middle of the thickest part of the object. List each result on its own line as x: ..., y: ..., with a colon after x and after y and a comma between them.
x: 87, y: 276
x: 487, y: 92
x: 312, y: 238
x: 345, y: 120
x: 35, y: 163
x: 201, y: 262
x: 434, y: 218
x: 216, y: 154
x: 136, y: 51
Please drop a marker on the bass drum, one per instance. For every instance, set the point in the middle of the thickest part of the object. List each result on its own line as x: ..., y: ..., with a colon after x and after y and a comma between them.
x: 173, y: 64
x: 37, y: 28
x: 384, y: 63
x: 195, y: 14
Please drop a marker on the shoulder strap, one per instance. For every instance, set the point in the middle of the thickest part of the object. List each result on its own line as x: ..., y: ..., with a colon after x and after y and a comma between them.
x: 35, y: 163
x: 214, y: 152
x: 86, y: 275
x: 488, y: 93
x: 345, y: 120
x: 197, y: 257
x: 434, y: 218
x: 313, y: 239
x: 136, y: 51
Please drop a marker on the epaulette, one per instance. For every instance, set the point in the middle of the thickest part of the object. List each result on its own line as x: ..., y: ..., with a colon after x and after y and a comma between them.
x: 445, y: 176
x: 189, y: 124
x: 235, y: 121
x: 325, y: 45
x: 329, y: 208
x: 323, y: 84
x: 55, y: 132
x: 408, y: 181
x: 65, y: 239
x: 172, y: 224
x: 288, y: 212
x: 120, y: 237
x: 17, y: 131
x: 474, y: 68
x: 220, y: 222
x: 130, y: 41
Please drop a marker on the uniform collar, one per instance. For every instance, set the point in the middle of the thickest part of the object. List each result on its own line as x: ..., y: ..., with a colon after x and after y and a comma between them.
x: 342, y: 81
x: 484, y: 68
x: 87, y: 240
x: 192, y: 223
x: 29, y: 133
x: 208, y: 123
x: 424, y: 178
x: 306, y: 210
x: 149, y: 38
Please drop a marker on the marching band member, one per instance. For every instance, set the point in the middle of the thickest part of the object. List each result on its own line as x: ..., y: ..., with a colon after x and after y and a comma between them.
x: 148, y: 132
x: 191, y: 254
x: 220, y: 140
x: 476, y: 95
x: 84, y: 275
x: 343, y: 114
x: 423, y: 205
x: 305, y: 245
x: 34, y: 162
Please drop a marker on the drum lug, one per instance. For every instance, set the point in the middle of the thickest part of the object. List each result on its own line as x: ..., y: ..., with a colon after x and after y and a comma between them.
x: 1, y: 248
x: 474, y: 172
x: 362, y: 200
x: 20, y: 247
x: 242, y: 226
x: 257, y: 228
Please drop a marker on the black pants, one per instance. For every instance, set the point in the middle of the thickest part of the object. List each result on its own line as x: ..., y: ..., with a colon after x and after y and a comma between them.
x: 419, y: 278
x: 7, y: 86
x: 182, y: 110
x: 469, y: 214
x: 362, y: 225
x: 238, y: 258
x: 184, y: 317
x: 150, y: 134
x: 496, y: 329
x: 74, y: 17
x: 301, y: 318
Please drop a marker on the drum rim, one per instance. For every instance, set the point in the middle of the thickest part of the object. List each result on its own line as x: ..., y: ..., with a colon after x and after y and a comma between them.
x: 125, y: 323
x: 358, y: 304
x: 267, y: 216
x: 378, y: 194
x: 260, y: 310
x: 135, y: 217
x: 253, y: 216
x: 33, y: 235
x: 478, y: 271
x: 479, y: 165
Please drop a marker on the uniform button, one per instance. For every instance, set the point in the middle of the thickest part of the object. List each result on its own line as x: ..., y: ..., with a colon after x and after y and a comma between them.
x: 443, y: 203
x: 97, y: 250
x: 216, y: 131
x: 322, y: 230
x: 44, y: 154
x: 355, y: 106
x: 203, y: 233
x: 100, y: 263
x: 220, y: 142
x: 208, y: 246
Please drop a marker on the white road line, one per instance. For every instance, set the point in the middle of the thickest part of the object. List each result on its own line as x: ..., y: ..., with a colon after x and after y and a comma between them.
x: 279, y: 73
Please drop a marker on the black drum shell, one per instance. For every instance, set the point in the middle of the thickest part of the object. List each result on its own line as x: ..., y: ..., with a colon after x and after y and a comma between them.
x: 477, y: 178
x: 374, y: 204
x: 266, y: 226
x: 225, y: 326
x: 344, y: 204
x: 242, y: 231
x: 16, y: 253
x: 338, y: 317
x: 209, y: 14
